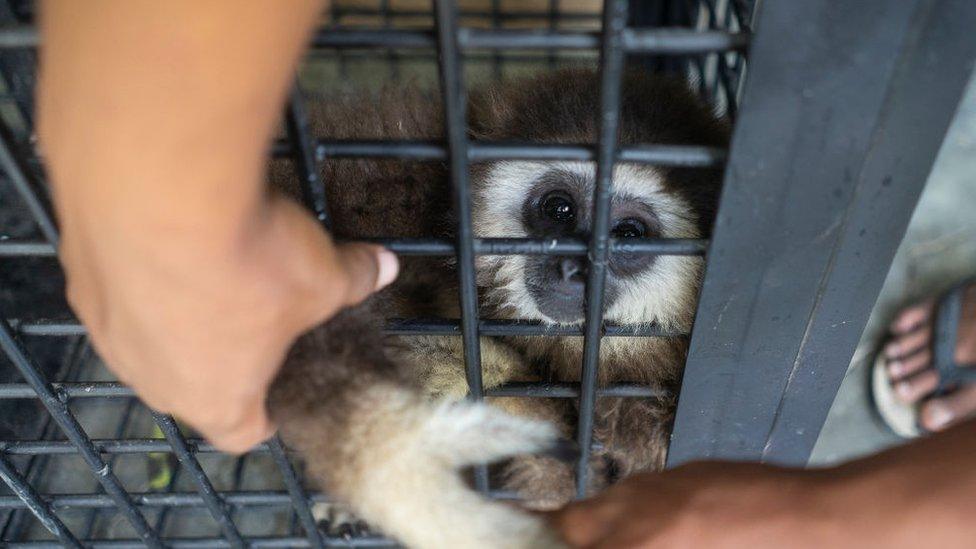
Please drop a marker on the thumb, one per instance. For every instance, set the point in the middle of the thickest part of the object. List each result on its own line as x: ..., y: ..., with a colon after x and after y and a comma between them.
x: 368, y: 268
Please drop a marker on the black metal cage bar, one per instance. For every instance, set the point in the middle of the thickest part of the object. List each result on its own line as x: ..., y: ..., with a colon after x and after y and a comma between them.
x: 57, y: 407
x: 454, y: 98
x: 213, y: 501
x: 296, y: 494
x: 611, y: 81
x: 305, y: 154
x: 41, y: 509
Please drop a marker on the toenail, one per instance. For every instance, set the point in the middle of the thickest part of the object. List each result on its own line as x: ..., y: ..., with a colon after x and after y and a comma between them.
x: 892, y: 350
x: 939, y: 415
x: 895, y: 368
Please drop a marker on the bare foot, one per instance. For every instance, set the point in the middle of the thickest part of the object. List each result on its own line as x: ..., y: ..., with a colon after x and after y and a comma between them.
x: 909, y: 363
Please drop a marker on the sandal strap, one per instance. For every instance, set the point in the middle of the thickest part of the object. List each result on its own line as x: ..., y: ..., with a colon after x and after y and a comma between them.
x: 945, y: 334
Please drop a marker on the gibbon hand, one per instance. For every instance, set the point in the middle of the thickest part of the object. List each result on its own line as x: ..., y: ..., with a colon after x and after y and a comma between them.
x: 154, y: 119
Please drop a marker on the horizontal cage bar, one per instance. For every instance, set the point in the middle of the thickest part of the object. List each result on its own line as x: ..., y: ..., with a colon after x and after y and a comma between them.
x: 10, y: 248
x: 593, y: 16
x: 21, y: 36
x: 164, y: 499
x: 482, y: 246
x: 662, y: 41
x: 688, y: 156
x: 435, y: 326
x: 283, y: 542
x: 111, y: 446
x: 112, y: 389
x: 234, y: 498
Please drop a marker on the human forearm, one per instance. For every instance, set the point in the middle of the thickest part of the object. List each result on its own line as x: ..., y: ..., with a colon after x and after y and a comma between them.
x: 154, y: 120
x: 920, y: 495
x: 157, y: 114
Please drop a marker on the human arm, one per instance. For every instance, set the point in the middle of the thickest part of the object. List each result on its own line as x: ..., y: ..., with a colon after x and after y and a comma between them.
x: 154, y: 119
x: 919, y: 495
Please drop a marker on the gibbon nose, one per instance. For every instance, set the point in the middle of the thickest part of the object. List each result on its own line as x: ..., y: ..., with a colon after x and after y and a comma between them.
x: 571, y: 269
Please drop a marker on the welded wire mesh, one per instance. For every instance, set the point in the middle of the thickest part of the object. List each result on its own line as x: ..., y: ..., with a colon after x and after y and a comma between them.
x: 88, y: 464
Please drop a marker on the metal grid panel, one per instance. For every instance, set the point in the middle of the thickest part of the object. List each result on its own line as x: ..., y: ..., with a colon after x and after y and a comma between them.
x: 705, y: 39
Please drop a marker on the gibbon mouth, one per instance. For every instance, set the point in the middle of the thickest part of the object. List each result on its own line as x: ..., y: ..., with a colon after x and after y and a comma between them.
x: 559, y: 305
x: 560, y: 299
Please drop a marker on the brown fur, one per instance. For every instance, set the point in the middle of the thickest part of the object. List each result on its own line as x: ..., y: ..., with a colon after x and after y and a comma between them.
x: 323, y: 392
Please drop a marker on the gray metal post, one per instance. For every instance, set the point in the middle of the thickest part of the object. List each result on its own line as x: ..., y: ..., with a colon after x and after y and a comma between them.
x: 843, y: 113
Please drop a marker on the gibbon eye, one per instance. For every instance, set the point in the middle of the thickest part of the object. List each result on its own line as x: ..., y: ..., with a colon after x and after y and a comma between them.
x: 630, y: 228
x: 558, y: 206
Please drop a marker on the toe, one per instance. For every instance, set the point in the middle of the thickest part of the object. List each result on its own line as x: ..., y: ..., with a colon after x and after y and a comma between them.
x: 912, y: 317
x: 907, y: 344
x: 915, y: 388
x: 901, y: 368
x: 939, y: 413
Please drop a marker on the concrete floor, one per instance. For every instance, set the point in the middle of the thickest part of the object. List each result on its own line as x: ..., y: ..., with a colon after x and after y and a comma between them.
x: 939, y: 248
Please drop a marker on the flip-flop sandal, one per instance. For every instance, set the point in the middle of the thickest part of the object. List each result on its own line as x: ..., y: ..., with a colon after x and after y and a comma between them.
x: 901, y: 418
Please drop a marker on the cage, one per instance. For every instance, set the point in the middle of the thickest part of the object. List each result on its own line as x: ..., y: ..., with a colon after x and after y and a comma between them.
x: 810, y: 196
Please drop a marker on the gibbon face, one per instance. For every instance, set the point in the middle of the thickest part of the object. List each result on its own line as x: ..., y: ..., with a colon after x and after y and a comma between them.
x: 555, y: 199
x: 550, y: 199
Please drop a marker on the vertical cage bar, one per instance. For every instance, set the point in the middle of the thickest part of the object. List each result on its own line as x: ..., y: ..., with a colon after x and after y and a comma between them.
x: 696, y: 63
x: 391, y: 57
x: 305, y: 158
x: 72, y: 429
x: 212, y: 500
x: 611, y: 76
x: 658, y: 13
x: 299, y: 499
x: 553, y: 16
x: 452, y: 88
x: 722, y: 69
x: 340, y: 53
x: 41, y: 509
x: 496, y: 23
x: 742, y: 12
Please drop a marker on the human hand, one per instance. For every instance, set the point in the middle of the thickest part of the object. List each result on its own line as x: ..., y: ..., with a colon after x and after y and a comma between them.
x: 714, y: 505
x: 915, y: 495
x: 155, y: 120
x: 198, y: 328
